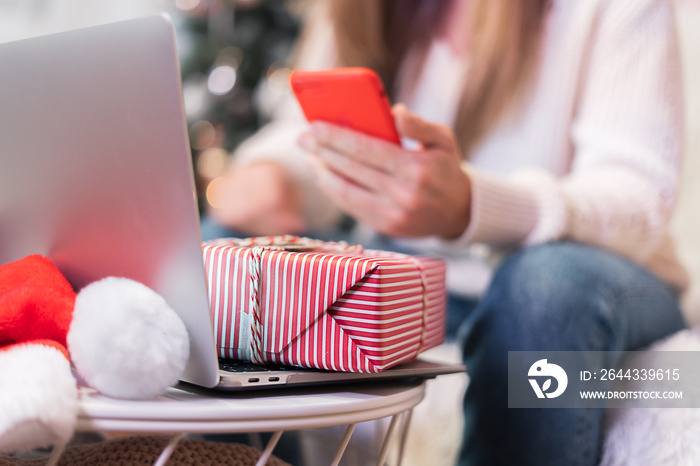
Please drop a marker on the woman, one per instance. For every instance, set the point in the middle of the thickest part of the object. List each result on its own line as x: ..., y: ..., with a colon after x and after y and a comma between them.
x: 550, y: 138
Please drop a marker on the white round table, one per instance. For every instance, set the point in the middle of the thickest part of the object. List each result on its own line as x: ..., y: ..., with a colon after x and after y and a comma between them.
x: 179, y: 412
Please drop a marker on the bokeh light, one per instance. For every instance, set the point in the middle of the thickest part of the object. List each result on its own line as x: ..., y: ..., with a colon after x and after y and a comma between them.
x: 221, y: 80
x: 212, y: 162
x: 202, y: 135
x: 212, y: 192
x: 278, y: 76
x: 231, y: 55
x: 187, y: 5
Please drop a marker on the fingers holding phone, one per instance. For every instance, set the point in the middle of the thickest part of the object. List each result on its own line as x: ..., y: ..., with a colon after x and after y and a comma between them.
x: 397, y: 191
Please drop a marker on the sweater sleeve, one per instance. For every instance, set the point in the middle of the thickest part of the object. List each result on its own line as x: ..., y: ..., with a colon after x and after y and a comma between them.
x: 626, y: 134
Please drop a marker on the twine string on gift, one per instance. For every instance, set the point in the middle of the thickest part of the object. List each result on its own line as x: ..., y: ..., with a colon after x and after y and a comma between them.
x: 424, y: 294
x: 257, y: 246
x: 254, y: 268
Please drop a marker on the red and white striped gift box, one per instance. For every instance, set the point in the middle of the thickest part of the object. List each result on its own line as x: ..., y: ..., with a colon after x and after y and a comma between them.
x: 308, y: 303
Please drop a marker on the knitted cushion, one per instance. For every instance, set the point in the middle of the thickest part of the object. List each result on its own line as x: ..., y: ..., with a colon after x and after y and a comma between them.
x: 129, y: 451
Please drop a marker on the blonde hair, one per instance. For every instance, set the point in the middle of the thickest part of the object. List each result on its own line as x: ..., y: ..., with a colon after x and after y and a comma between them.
x: 503, y: 46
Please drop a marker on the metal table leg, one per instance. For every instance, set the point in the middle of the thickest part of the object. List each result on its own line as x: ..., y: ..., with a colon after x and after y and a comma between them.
x: 387, y: 439
x: 406, y: 424
x: 268, y: 449
x: 343, y: 445
x: 168, y: 450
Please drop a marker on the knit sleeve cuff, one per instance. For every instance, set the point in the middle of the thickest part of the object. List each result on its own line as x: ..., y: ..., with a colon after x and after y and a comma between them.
x: 507, y: 212
x: 502, y: 214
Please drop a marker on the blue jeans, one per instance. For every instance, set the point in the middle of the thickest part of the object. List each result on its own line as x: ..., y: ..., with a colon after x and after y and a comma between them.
x: 554, y: 297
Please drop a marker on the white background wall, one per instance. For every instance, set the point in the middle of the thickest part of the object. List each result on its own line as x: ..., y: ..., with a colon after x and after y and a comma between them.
x: 25, y: 18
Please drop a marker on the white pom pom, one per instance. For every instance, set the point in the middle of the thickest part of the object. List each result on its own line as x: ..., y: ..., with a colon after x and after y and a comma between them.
x: 125, y: 340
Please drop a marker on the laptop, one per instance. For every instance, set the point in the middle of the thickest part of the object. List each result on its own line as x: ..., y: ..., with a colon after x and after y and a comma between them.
x: 96, y: 174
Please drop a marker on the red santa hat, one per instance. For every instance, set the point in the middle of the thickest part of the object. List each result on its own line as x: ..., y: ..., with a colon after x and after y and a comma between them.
x: 44, y: 325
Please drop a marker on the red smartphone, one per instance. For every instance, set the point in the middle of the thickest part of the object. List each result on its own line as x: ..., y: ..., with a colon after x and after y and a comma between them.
x: 350, y: 97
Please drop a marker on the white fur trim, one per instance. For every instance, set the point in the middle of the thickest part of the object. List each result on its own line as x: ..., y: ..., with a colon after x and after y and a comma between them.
x: 125, y: 340
x: 38, y: 398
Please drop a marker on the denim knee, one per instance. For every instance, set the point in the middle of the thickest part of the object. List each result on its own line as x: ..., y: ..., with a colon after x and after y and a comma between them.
x: 567, y: 296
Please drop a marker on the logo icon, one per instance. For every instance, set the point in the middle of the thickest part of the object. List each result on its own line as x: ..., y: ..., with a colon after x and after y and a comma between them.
x: 542, y: 369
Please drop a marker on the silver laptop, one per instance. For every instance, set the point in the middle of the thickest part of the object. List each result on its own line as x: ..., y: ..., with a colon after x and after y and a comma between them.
x: 96, y: 174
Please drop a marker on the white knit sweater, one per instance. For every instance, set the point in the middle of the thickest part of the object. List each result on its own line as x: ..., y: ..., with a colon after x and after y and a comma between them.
x: 592, y: 156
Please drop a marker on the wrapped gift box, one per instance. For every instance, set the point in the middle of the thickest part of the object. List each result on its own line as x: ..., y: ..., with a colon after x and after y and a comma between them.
x: 295, y: 301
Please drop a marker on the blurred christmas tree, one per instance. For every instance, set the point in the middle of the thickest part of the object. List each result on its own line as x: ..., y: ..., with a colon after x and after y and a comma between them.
x: 230, y: 49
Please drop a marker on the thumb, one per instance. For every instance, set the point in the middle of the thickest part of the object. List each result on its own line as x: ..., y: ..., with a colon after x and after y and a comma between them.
x: 430, y: 135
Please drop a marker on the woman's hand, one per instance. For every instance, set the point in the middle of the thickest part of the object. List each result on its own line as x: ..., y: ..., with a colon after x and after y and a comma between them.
x: 398, y: 192
x: 257, y: 199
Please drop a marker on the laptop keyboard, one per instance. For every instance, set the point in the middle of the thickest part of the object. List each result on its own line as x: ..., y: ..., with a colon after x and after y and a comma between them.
x: 234, y: 365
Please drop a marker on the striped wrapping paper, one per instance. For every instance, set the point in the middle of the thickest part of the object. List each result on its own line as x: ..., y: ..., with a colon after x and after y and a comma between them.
x: 308, y: 303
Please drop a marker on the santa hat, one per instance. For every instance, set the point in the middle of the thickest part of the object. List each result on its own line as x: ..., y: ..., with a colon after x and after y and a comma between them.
x: 121, y: 336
